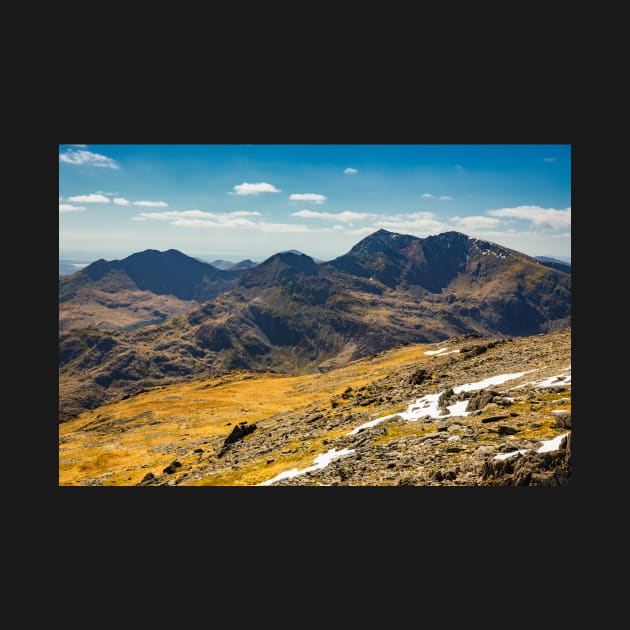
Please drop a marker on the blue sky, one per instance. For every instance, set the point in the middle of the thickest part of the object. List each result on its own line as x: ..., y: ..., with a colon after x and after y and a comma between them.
x: 251, y: 201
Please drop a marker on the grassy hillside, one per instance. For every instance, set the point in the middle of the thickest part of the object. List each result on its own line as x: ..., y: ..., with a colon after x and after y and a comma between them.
x: 300, y: 417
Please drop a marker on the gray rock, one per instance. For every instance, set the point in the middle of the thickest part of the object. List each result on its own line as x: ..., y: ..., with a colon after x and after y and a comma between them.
x: 147, y: 478
x: 445, y: 397
x: 504, y: 429
x: 172, y: 467
x: 430, y: 436
x: 418, y: 377
x: 484, y: 450
x: 563, y: 420
x: 561, y: 401
x: 495, y: 418
x: 479, y: 400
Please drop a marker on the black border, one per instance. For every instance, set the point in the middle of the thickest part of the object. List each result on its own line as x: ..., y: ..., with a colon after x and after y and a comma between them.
x: 303, y: 517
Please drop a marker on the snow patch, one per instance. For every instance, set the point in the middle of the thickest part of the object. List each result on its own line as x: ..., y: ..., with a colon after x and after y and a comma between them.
x: 428, y: 405
x: 321, y: 461
x: 493, y: 380
x: 442, y: 351
x: 510, y: 454
x: 553, y: 444
x: 551, y: 381
x: 547, y: 446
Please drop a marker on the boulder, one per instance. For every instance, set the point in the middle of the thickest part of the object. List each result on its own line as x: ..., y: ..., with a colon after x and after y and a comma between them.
x: 147, y: 479
x: 172, y: 467
x: 445, y: 397
x: 562, y: 419
x: 429, y: 436
x: 495, y: 418
x: 238, y: 433
x: 531, y: 468
x: 478, y: 400
x: 418, y: 377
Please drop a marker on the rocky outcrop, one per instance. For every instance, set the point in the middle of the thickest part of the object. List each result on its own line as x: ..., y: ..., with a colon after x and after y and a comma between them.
x: 530, y: 468
x: 238, y: 433
x: 478, y: 400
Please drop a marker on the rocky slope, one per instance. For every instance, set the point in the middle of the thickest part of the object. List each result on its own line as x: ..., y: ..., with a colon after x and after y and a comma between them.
x: 290, y: 314
x: 467, y: 411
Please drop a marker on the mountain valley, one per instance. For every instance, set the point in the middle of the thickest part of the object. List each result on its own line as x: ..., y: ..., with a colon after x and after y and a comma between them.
x: 292, y: 315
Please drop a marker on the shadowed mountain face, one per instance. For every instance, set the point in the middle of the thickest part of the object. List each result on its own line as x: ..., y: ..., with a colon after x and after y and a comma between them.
x: 290, y: 314
x: 401, y: 260
x: 162, y: 273
x: 142, y: 289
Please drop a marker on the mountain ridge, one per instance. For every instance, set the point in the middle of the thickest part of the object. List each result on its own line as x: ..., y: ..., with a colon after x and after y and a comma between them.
x: 144, y: 288
x: 292, y: 315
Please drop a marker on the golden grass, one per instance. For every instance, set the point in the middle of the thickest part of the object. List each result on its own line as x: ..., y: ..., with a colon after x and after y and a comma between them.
x: 257, y: 470
x: 145, y: 433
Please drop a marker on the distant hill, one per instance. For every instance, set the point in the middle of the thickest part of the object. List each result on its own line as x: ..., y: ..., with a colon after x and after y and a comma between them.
x: 229, y: 265
x: 554, y: 263
x: 146, y: 287
x: 243, y: 265
x: 290, y: 314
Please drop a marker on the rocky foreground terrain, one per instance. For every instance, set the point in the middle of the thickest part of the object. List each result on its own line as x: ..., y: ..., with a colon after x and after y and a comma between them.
x: 466, y: 411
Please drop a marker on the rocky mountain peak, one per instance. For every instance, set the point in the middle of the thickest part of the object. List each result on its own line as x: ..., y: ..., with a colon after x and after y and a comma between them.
x: 279, y: 268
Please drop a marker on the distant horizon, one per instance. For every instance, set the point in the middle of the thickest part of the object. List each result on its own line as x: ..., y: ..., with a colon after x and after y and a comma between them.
x: 82, y: 258
x: 234, y: 202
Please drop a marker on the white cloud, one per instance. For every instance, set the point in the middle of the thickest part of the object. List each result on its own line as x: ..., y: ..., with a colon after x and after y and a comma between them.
x: 66, y: 207
x: 284, y: 227
x: 314, y: 197
x: 121, y: 201
x: 200, y: 219
x: 545, y: 219
x: 550, y: 159
x: 151, y: 204
x: 83, y: 146
x: 245, y: 213
x: 87, y: 158
x: 345, y: 216
x: 215, y: 220
x: 351, y: 171
x: 423, y: 222
x: 475, y: 222
x: 254, y: 189
x: 91, y: 198
x: 220, y: 223
x: 441, y: 197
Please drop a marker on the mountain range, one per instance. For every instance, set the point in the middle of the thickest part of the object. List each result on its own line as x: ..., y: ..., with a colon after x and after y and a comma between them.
x: 291, y: 314
x: 555, y: 263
